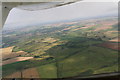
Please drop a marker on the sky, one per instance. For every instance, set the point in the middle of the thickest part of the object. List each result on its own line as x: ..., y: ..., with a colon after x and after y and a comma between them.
x: 79, y: 10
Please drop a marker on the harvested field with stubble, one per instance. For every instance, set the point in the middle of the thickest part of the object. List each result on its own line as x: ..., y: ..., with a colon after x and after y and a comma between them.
x: 115, y: 40
x: 27, y: 73
x: 11, y: 57
x: 102, y: 28
x: 7, y: 50
x: 8, y: 54
x: 17, y: 59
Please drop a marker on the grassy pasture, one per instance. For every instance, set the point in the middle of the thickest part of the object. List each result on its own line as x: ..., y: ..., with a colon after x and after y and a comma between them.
x: 88, y: 62
x: 48, y: 71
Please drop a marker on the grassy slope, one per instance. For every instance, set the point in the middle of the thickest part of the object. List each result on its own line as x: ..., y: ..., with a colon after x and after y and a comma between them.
x: 47, y: 71
x: 14, y: 67
x: 88, y: 61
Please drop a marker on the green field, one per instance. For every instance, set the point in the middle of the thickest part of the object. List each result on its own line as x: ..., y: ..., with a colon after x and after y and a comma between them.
x: 48, y: 71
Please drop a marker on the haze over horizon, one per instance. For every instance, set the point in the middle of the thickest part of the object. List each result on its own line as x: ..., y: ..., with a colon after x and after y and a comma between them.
x: 78, y: 10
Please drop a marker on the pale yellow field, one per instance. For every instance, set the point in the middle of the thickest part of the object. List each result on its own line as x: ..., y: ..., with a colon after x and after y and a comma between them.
x: 115, y: 40
x: 7, y: 53
x: 49, y: 40
x: 10, y: 57
x: 16, y: 59
x: 103, y: 28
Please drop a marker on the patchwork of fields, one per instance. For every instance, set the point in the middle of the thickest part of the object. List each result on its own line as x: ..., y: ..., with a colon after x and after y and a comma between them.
x: 80, y: 48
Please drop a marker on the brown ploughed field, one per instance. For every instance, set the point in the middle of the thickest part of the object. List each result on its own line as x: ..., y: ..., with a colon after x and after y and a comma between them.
x: 111, y: 45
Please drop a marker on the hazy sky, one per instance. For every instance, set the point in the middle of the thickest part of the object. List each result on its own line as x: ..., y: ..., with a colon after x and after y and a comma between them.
x: 78, y: 10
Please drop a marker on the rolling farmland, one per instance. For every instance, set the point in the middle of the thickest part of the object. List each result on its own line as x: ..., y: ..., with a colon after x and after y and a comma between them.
x: 78, y: 48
